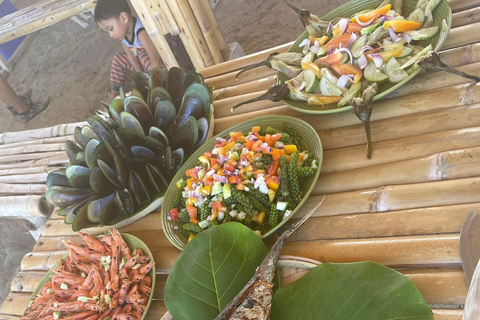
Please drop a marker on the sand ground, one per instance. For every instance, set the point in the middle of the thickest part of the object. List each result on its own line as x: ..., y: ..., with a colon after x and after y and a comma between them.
x: 71, y: 66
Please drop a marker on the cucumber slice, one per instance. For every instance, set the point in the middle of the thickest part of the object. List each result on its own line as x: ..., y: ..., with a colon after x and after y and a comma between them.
x: 416, y: 57
x: 423, y: 34
x: 370, y: 29
x: 322, y: 52
x: 392, y: 69
x: 309, y: 57
x: 345, y: 58
x: 352, y: 92
x: 328, y: 74
x: 328, y: 88
x: 311, y: 80
x: 358, y: 45
x: 406, y: 52
x: 374, y: 74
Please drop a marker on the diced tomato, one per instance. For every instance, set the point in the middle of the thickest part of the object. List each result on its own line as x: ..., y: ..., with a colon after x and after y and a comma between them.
x: 192, y: 212
x: 273, y: 182
x: 335, y: 42
x: 256, y: 145
x: 240, y: 186
x: 232, y: 162
x: 277, y: 153
x: 216, y: 205
x: 228, y: 167
x: 213, y: 161
x: 208, y: 181
x: 234, y: 179
x: 174, y: 214
x: 273, y: 167
x: 331, y: 59
x: 208, y: 154
x: 249, y: 144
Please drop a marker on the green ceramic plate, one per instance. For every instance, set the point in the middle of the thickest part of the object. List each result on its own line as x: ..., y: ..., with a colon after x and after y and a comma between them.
x: 134, y: 243
x: 310, y: 141
x: 442, y: 12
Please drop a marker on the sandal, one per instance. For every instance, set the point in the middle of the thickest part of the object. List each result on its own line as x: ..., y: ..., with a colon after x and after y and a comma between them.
x: 25, y: 98
x: 34, y: 110
x: 13, y: 111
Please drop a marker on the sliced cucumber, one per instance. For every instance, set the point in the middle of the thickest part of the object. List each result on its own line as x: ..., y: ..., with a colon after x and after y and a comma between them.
x: 309, y: 57
x: 423, y: 34
x: 345, y: 58
x: 322, y: 52
x: 311, y: 80
x: 416, y: 57
x: 370, y: 29
x: 358, y: 45
x: 406, y: 51
x: 374, y: 74
x: 386, y: 42
x: 328, y: 88
x: 392, y: 69
x: 328, y: 74
x: 352, y: 92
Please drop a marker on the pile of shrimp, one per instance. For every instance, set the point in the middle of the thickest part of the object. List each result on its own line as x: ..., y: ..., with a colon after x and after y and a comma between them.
x: 100, y: 280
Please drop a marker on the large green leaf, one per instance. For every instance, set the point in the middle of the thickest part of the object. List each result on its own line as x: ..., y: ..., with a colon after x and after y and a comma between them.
x: 346, y: 291
x: 211, y: 270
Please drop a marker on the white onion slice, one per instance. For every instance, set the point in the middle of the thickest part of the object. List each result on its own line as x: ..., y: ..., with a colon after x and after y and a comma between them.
x: 315, y: 48
x: 305, y: 42
x: 352, y: 39
x: 377, y: 59
x: 407, y: 37
x: 343, y: 25
x: 343, y: 80
x: 330, y: 27
x: 363, y: 24
x: 362, y: 61
x: 393, y: 35
x: 347, y: 51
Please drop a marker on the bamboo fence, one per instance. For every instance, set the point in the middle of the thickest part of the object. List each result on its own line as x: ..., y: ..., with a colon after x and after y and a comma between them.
x: 404, y: 208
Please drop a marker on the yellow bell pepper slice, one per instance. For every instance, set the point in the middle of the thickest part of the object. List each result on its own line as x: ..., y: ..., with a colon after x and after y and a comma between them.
x: 290, y: 148
x: 372, y: 14
x: 319, y: 100
x: 312, y: 66
x: 402, y: 25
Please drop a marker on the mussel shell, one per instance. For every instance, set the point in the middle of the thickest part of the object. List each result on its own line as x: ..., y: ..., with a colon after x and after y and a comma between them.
x: 80, y: 159
x: 186, y: 136
x: 140, y: 152
x: 64, y: 197
x: 95, y: 208
x: 156, y: 179
x: 80, y: 138
x: 124, y: 201
x: 138, y: 189
x: 175, y: 80
x: 71, y: 212
x: 159, y: 135
x: 158, y: 78
x: 74, y: 170
x: 156, y: 95
x: 190, y: 77
x: 141, y: 112
x: 165, y: 160
x: 135, y: 93
x: 81, y: 220
x: 88, y: 132
x: 72, y: 148
x: 100, y: 183
x: 131, y: 123
x: 57, y: 178
x: 196, y: 102
x: 202, y: 132
x: 177, y: 160
x: 155, y: 145
x: 124, y: 150
x: 111, y: 213
x: 81, y: 180
x: 115, y: 107
x: 165, y: 114
x: 141, y: 82
x: 110, y: 173
x: 104, y: 133
x: 122, y: 168
x: 89, y: 152
x: 101, y: 153
x: 105, y: 117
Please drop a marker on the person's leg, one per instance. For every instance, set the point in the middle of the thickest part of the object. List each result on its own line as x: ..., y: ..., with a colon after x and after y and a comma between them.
x: 9, y: 96
x: 145, y: 61
x: 118, y: 75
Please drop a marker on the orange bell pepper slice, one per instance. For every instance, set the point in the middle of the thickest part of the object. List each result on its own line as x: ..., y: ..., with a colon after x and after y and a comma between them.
x: 346, y: 68
x: 321, y: 41
x: 335, y: 42
x: 312, y: 66
x: 256, y: 129
x: 402, y: 25
x: 331, y: 59
x: 192, y: 212
x: 320, y: 100
x: 372, y: 14
x: 352, y: 27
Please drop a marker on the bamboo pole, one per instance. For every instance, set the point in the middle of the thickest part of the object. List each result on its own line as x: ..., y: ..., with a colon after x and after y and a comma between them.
x: 191, y: 35
x: 33, y: 148
x: 61, y: 139
x: 447, y: 314
x: 25, y: 178
x: 199, y: 10
x: 462, y: 35
x: 214, y: 27
x: 26, y: 281
x: 41, y: 261
x: 53, y: 161
x: 228, y: 79
x: 22, y: 188
x: 4, y: 316
x: 152, y: 29
x: 222, y: 108
x: 255, y: 85
x: 25, y: 206
x: 35, y: 134
x: 458, y: 5
x: 7, y: 172
x: 466, y: 17
x: 15, y: 303
x: 161, y: 7
x: 30, y: 156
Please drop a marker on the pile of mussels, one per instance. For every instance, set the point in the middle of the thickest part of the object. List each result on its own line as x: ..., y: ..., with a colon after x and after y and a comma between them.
x: 125, y: 159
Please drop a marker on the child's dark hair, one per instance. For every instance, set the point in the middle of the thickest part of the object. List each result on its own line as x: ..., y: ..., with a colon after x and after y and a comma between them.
x: 106, y: 9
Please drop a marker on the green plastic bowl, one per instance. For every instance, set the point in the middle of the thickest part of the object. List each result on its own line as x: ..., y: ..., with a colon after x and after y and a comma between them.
x: 310, y: 141
x: 133, y: 243
x: 442, y: 12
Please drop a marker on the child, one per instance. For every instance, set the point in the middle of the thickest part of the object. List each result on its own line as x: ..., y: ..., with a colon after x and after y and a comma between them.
x: 114, y: 16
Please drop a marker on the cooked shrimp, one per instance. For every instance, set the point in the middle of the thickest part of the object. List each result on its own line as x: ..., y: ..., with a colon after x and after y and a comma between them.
x: 69, y: 306
x: 146, y: 268
x: 123, y: 245
x: 93, y: 242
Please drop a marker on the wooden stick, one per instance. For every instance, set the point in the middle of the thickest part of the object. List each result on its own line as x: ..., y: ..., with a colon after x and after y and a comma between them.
x: 22, y: 188
x: 462, y: 35
x: 191, y: 35
x: 61, y: 139
x: 35, y: 134
x: 228, y: 79
x: 33, y: 148
x: 25, y: 206
x: 31, y: 156
x: 207, y: 31
x: 223, y: 107
x: 448, y: 314
x: 458, y: 5
x: 25, y: 178
x: 255, y: 85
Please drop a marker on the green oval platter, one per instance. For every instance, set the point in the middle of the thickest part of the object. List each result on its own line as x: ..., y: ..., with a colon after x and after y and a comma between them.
x: 133, y: 243
x: 441, y: 13
x: 309, y: 141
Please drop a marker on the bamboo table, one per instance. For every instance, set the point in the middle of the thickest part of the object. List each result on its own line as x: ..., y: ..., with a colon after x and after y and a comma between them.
x: 403, y: 208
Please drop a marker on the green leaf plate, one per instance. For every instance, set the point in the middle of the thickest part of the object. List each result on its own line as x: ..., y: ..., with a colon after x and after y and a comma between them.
x: 310, y: 141
x: 133, y: 243
x: 441, y: 13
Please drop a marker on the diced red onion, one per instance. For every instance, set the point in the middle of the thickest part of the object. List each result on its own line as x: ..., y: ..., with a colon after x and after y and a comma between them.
x: 348, y: 52
x: 385, y: 17
x: 343, y: 25
x: 377, y: 59
x: 343, y: 80
x: 198, y: 168
x: 330, y: 27
x: 315, y: 48
x: 254, y: 137
x: 222, y: 159
x: 362, y: 61
x: 236, y: 172
x: 209, y: 173
x: 169, y: 217
x: 364, y: 24
x: 218, y: 139
x: 393, y: 35
x: 352, y: 39
x: 305, y: 42
x: 220, y: 178
x: 329, y: 52
x: 227, y: 173
x: 407, y: 37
